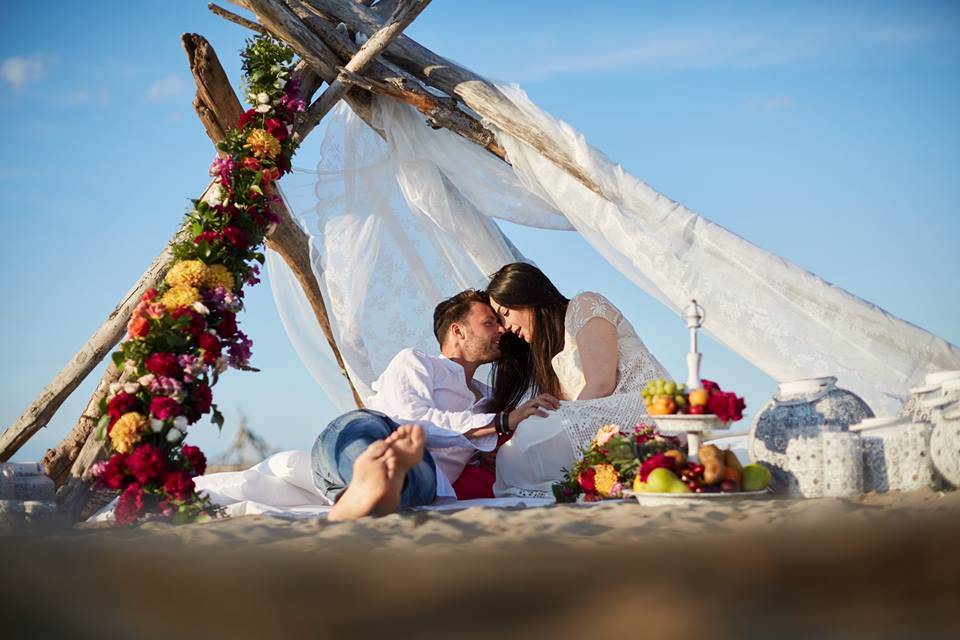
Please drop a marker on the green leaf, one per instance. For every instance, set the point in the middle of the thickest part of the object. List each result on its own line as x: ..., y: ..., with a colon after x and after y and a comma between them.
x: 118, y: 359
x: 101, y: 431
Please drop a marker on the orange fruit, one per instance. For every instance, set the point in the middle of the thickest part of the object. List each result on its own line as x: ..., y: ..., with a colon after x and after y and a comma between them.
x: 698, y: 397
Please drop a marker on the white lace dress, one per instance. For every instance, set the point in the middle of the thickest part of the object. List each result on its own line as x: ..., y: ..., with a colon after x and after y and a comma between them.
x: 542, y: 447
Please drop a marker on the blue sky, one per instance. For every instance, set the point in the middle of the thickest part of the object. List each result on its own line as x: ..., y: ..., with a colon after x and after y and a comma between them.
x: 825, y: 132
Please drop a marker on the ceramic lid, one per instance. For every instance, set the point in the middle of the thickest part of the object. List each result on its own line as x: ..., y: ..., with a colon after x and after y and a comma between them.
x: 805, y: 386
x: 927, y: 388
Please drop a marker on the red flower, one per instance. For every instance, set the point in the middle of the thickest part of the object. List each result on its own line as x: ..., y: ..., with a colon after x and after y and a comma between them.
x: 195, y: 323
x: 709, y: 385
x: 149, y: 295
x: 114, y: 471
x: 178, y: 484
x: 138, y: 327
x: 250, y: 163
x: 726, y: 405
x: 211, y: 347
x: 121, y: 403
x: 246, y: 118
x: 147, y: 463
x: 271, y: 174
x: 275, y: 128
x: 163, y: 407
x: 202, y: 398
x: 129, y: 505
x: 587, y: 480
x: 283, y: 163
x: 196, y: 461
x: 655, y: 461
x: 163, y: 364
x: 227, y: 326
x: 235, y: 236
x: 206, y: 236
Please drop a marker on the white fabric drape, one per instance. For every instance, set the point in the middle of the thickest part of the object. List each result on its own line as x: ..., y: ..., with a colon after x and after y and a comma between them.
x: 399, y: 225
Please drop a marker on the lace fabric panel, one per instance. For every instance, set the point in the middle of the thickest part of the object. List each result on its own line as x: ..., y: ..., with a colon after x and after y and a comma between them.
x: 586, y: 306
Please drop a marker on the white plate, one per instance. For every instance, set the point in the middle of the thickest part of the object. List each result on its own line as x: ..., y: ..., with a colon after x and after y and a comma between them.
x: 690, y: 423
x: 666, y: 499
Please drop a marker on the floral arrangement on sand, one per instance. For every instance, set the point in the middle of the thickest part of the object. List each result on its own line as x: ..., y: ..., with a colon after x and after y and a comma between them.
x: 184, y: 333
x: 612, y: 461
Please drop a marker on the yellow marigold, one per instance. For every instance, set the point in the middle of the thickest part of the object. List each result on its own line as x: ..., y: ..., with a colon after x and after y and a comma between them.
x: 182, y: 295
x: 126, y: 431
x: 218, y: 276
x: 605, y: 479
x: 189, y: 272
x: 262, y: 144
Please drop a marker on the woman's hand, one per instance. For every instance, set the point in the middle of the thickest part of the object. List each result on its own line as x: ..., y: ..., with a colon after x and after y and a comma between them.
x: 533, y: 407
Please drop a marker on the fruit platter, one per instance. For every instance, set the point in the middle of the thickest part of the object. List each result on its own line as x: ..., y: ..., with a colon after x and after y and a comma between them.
x: 702, y: 410
x: 654, y: 468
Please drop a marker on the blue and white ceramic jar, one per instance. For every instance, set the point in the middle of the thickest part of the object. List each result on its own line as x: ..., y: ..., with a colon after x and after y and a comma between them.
x: 801, y: 409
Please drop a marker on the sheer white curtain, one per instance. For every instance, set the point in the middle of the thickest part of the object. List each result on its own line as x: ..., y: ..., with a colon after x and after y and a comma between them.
x: 400, y: 225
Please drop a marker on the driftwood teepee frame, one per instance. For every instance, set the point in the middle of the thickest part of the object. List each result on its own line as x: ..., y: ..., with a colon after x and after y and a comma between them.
x: 319, y: 31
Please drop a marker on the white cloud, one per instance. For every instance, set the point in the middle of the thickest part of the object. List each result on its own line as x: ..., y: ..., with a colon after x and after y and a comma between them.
x: 166, y: 88
x: 19, y: 70
x: 83, y: 97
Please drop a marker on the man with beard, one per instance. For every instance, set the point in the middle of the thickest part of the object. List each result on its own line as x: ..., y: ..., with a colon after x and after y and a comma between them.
x: 426, y: 421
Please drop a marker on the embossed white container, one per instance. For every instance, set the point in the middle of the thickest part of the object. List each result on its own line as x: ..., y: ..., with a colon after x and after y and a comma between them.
x: 945, y: 443
x: 802, y: 468
x: 801, y: 409
x: 842, y: 457
x: 880, y: 468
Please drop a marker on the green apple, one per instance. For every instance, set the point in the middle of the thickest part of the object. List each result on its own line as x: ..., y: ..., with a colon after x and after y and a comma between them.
x: 755, y: 477
x: 680, y: 487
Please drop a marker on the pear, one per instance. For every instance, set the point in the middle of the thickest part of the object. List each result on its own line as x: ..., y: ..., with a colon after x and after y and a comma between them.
x: 730, y: 460
x: 755, y: 477
x: 662, y: 480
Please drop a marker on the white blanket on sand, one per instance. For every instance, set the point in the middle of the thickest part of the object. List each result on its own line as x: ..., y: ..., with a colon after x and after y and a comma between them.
x: 282, y: 486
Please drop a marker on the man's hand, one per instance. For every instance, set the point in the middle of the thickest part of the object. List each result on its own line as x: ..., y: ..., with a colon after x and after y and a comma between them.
x: 533, y: 407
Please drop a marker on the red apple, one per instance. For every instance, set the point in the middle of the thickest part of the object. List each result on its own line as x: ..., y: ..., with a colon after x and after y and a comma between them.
x: 697, y: 409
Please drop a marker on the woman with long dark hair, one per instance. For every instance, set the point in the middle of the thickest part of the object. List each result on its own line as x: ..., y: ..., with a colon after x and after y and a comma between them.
x: 580, y: 350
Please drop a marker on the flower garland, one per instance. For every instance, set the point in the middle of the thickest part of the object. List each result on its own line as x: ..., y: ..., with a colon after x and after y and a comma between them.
x: 183, y: 334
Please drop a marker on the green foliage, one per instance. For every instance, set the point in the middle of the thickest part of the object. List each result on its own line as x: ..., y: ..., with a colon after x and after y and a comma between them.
x: 266, y: 66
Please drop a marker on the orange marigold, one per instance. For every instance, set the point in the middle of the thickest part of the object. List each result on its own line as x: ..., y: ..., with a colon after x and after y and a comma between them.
x: 182, y: 295
x: 189, y: 272
x: 605, y: 479
x: 218, y: 276
x: 262, y: 144
x: 126, y: 431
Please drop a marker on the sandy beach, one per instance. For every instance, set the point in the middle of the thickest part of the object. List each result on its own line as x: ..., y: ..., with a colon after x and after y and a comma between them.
x: 877, y: 566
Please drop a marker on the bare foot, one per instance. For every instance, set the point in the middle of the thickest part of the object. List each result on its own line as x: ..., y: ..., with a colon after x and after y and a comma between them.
x: 371, y: 483
x: 406, y: 442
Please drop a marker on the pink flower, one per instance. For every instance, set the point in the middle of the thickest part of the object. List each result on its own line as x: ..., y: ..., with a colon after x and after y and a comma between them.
x: 252, y: 278
x: 192, y: 367
x: 240, y: 351
x: 163, y: 385
x: 164, y: 408
x: 147, y: 463
x: 222, y: 169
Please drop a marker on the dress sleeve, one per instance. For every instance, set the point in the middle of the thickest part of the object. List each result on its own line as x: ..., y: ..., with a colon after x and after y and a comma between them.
x: 588, y: 305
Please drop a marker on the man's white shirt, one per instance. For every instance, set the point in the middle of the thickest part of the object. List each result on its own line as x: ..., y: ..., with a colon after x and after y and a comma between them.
x: 432, y: 391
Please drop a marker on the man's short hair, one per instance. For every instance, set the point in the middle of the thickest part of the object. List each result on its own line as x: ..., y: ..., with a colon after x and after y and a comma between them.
x: 454, y: 309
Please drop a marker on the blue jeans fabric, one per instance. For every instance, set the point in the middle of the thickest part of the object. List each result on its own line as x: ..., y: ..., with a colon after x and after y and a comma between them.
x: 342, y: 442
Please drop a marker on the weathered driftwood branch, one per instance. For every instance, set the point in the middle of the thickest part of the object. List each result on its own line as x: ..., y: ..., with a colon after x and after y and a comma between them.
x: 438, y: 111
x: 58, y: 461
x: 215, y: 103
x: 239, y: 20
x: 405, y: 13
x: 484, y: 98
